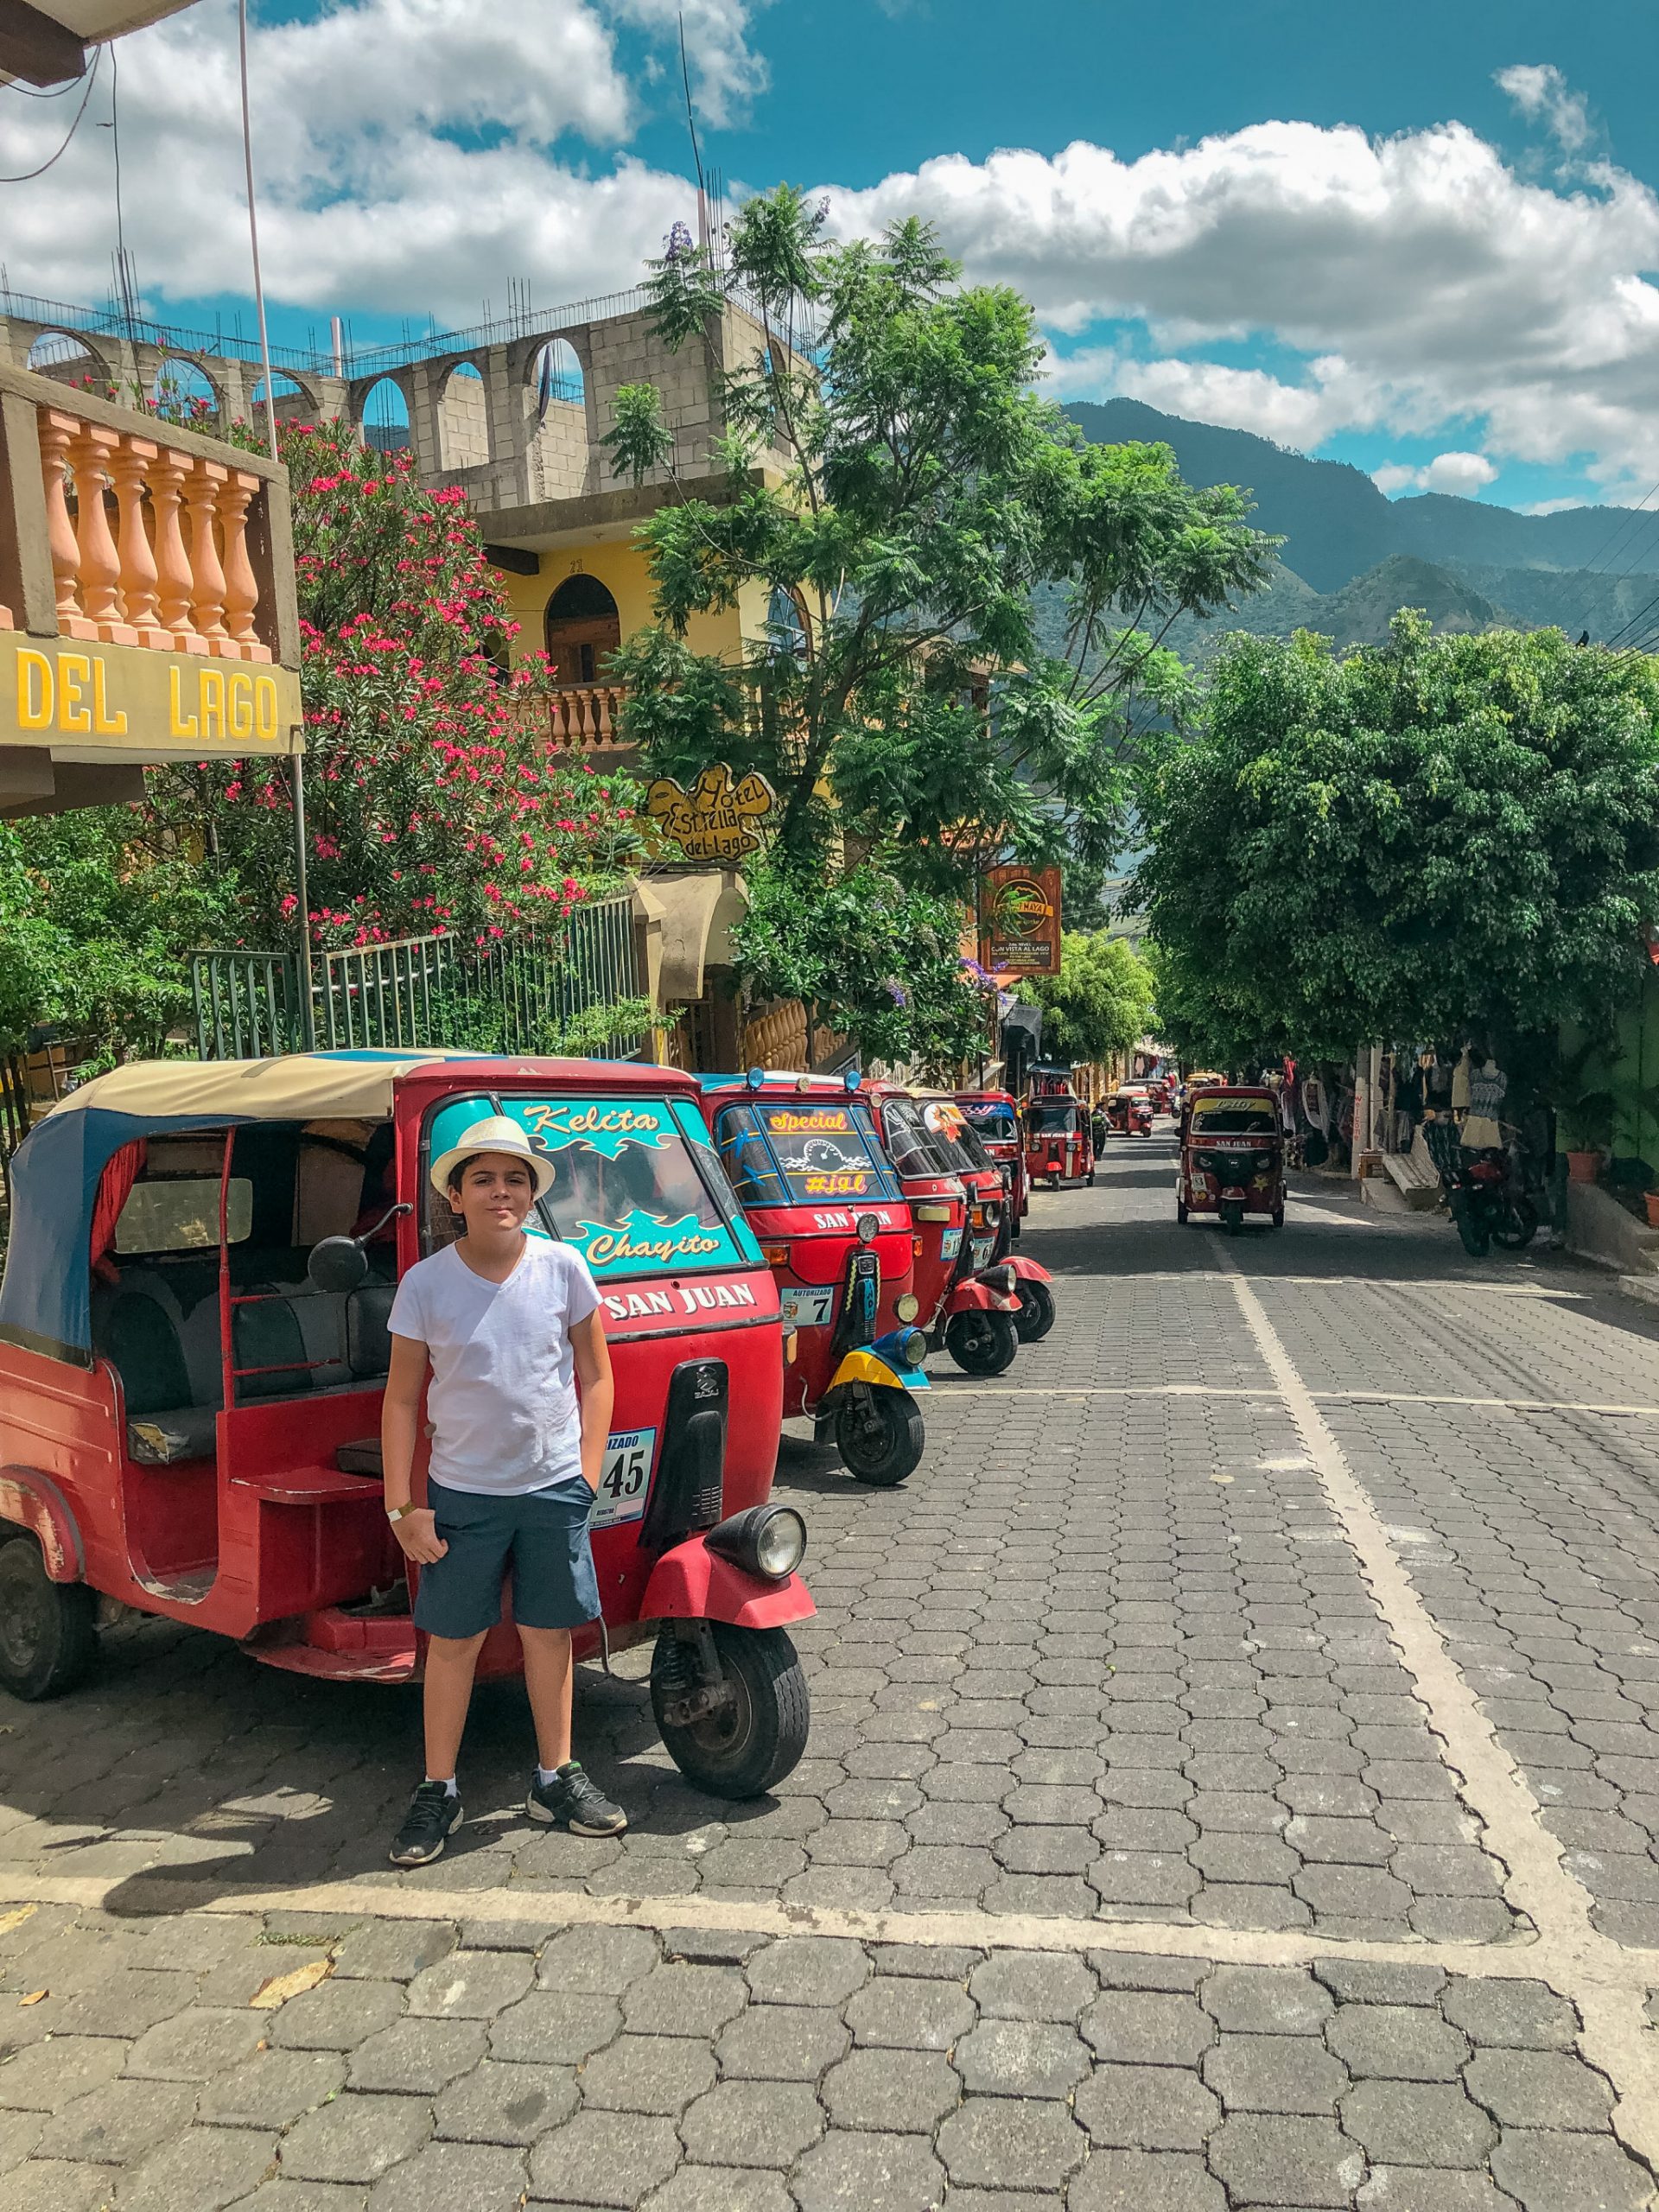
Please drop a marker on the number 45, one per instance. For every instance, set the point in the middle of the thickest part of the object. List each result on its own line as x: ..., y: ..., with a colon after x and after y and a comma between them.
x: 624, y: 1476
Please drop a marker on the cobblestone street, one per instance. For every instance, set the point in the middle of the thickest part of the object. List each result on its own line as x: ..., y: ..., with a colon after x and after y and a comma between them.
x: 1234, y: 1782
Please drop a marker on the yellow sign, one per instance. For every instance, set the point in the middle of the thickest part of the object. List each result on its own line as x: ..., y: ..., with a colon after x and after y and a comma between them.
x: 714, y: 820
x: 125, y: 700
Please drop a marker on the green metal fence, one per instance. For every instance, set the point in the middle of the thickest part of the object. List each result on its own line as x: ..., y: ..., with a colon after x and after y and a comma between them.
x: 515, y: 994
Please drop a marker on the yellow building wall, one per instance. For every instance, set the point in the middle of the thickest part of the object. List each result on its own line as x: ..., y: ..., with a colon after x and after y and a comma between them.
x: 621, y: 566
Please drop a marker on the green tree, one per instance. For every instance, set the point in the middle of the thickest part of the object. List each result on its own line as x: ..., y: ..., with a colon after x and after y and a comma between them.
x: 867, y: 956
x: 1441, y: 836
x: 91, y: 927
x: 1099, y: 1004
x: 893, y: 490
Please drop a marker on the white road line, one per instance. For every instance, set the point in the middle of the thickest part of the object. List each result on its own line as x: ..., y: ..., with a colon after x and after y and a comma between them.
x: 1538, y: 1884
x: 950, y: 1388
x: 135, y: 1896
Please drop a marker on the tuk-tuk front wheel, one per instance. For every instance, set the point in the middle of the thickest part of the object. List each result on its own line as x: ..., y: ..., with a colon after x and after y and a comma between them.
x: 878, y: 1434
x: 48, y: 1635
x: 753, y: 1729
x: 1232, y: 1216
x: 1036, y: 1315
x: 981, y: 1342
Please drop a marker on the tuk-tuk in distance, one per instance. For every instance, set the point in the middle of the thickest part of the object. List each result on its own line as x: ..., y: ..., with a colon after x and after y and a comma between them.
x: 1060, y: 1142
x: 193, y: 1345
x: 994, y: 1119
x: 1232, y: 1156
x: 990, y: 1257
x: 965, y: 1307
x: 1129, y: 1109
x: 804, y: 1160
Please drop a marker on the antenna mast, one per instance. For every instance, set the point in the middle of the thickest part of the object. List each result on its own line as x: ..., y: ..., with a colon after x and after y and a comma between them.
x: 696, y: 157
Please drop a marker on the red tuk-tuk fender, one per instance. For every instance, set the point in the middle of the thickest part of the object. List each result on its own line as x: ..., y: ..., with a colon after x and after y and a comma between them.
x: 1027, y: 1270
x: 975, y: 1296
x: 691, y: 1583
x: 31, y: 1500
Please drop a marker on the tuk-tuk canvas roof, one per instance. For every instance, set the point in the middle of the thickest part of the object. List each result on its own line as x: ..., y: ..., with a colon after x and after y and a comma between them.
x: 45, y: 1297
x: 300, y: 1086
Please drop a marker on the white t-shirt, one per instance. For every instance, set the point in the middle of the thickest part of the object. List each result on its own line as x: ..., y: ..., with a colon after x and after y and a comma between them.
x: 502, y: 1404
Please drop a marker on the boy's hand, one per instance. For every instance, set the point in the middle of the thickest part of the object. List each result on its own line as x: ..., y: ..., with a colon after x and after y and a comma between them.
x: 417, y: 1536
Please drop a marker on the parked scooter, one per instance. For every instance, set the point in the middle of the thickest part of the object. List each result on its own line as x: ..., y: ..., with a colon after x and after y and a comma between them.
x: 1486, y: 1189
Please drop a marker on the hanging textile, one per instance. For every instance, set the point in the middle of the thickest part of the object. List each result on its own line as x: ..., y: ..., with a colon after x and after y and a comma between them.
x: 114, y: 1189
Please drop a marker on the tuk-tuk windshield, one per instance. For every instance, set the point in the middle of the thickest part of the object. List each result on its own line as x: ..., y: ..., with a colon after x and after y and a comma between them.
x: 1053, y: 1117
x: 817, y: 1149
x: 1234, y: 1117
x: 629, y: 1190
x: 914, y: 1151
x: 948, y: 1128
x: 993, y: 1122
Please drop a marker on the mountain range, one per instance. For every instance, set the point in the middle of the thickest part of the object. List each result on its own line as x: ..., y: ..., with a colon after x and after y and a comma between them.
x: 1351, y: 556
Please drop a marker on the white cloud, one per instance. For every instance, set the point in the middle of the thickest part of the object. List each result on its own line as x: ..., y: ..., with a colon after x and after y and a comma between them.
x: 1462, y: 474
x: 410, y: 155
x: 1425, y: 283
x: 1543, y: 95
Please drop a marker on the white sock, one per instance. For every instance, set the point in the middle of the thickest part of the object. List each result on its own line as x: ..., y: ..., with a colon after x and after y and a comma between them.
x: 449, y: 1789
x: 547, y: 1776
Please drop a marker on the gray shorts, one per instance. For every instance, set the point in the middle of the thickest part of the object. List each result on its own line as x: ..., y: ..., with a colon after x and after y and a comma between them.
x: 541, y: 1535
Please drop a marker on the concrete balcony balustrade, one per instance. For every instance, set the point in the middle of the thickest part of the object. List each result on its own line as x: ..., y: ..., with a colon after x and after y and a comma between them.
x: 147, y: 604
x: 587, y: 716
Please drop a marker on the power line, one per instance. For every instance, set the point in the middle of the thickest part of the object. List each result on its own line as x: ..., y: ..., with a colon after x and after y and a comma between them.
x: 28, y: 175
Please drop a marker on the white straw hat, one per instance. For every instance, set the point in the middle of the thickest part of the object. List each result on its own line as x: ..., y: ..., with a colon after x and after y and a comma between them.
x: 497, y: 1133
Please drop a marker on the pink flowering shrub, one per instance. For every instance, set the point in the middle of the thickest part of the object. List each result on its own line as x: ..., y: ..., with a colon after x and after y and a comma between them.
x: 435, y: 802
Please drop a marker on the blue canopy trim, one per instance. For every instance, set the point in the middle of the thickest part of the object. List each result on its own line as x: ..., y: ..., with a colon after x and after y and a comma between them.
x: 46, y: 1294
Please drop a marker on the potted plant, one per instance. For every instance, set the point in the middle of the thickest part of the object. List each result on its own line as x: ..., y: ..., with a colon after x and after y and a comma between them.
x: 1586, y: 1127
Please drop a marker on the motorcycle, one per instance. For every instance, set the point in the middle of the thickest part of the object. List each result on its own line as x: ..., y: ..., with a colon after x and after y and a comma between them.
x: 1486, y: 1191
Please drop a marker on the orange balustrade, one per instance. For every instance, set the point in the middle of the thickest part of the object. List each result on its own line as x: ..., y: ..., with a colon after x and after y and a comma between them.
x: 585, y: 715
x: 116, y: 504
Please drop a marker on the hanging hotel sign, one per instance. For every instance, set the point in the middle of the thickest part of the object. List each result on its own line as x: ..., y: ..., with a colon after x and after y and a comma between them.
x: 1019, y: 921
x: 716, y: 820
x: 87, y: 698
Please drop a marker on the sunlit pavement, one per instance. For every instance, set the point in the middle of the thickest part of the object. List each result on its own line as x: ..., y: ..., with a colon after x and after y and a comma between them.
x: 1233, y: 1783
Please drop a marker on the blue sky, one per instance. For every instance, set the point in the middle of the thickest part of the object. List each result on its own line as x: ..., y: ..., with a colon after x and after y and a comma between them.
x: 1333, y: 225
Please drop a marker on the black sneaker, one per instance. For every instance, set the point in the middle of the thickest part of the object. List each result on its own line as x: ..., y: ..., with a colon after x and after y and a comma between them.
x: 573, y: 1801
x: 434, y: 1813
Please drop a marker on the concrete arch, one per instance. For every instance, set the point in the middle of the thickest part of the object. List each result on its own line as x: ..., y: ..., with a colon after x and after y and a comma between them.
x: 66, y: 356
x: 182, y: 389
x: 463, y: 413
x: 297, y: 400
x: 382, y: 410
x: 555, y: 372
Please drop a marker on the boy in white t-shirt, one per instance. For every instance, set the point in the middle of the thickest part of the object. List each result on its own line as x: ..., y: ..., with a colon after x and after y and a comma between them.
x: 500, y: 1319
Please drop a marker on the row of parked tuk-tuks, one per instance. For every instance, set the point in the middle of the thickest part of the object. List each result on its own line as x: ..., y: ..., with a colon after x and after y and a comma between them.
x: 193, y: 1344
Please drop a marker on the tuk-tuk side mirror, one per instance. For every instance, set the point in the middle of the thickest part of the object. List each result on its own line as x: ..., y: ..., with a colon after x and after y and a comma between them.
x: 337, y: 1264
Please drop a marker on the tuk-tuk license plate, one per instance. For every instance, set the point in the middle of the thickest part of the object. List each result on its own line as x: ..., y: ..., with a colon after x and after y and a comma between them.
x: 626, y: 1482
x: 808, y: 1309
x: 950, y: 1244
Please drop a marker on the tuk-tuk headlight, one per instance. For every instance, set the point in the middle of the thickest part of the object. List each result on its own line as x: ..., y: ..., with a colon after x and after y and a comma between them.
x: 911, y: 1348
x: 1263, y: 1162
x: 867, y: 1227
x: 768, y: 1540
x: 908, y: 1306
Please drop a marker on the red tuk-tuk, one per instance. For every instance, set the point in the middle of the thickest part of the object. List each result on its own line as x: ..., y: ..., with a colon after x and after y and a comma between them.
x: 1232, y: 1158
x: 806, y: 1163
x: 193, y: 1345
x: 1060, y: 1142
x: 966, y: 1305
x: 1129, y: 1110
x: 989, y: 1254
x: 994, y: 1119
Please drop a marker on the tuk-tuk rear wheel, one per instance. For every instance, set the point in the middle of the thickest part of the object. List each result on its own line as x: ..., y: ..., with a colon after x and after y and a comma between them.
x: 48, y: 1636
x: 758, y: 1733
x: 1036, y: 1315
x: 879, y: 1435
x: 981, y: 1342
